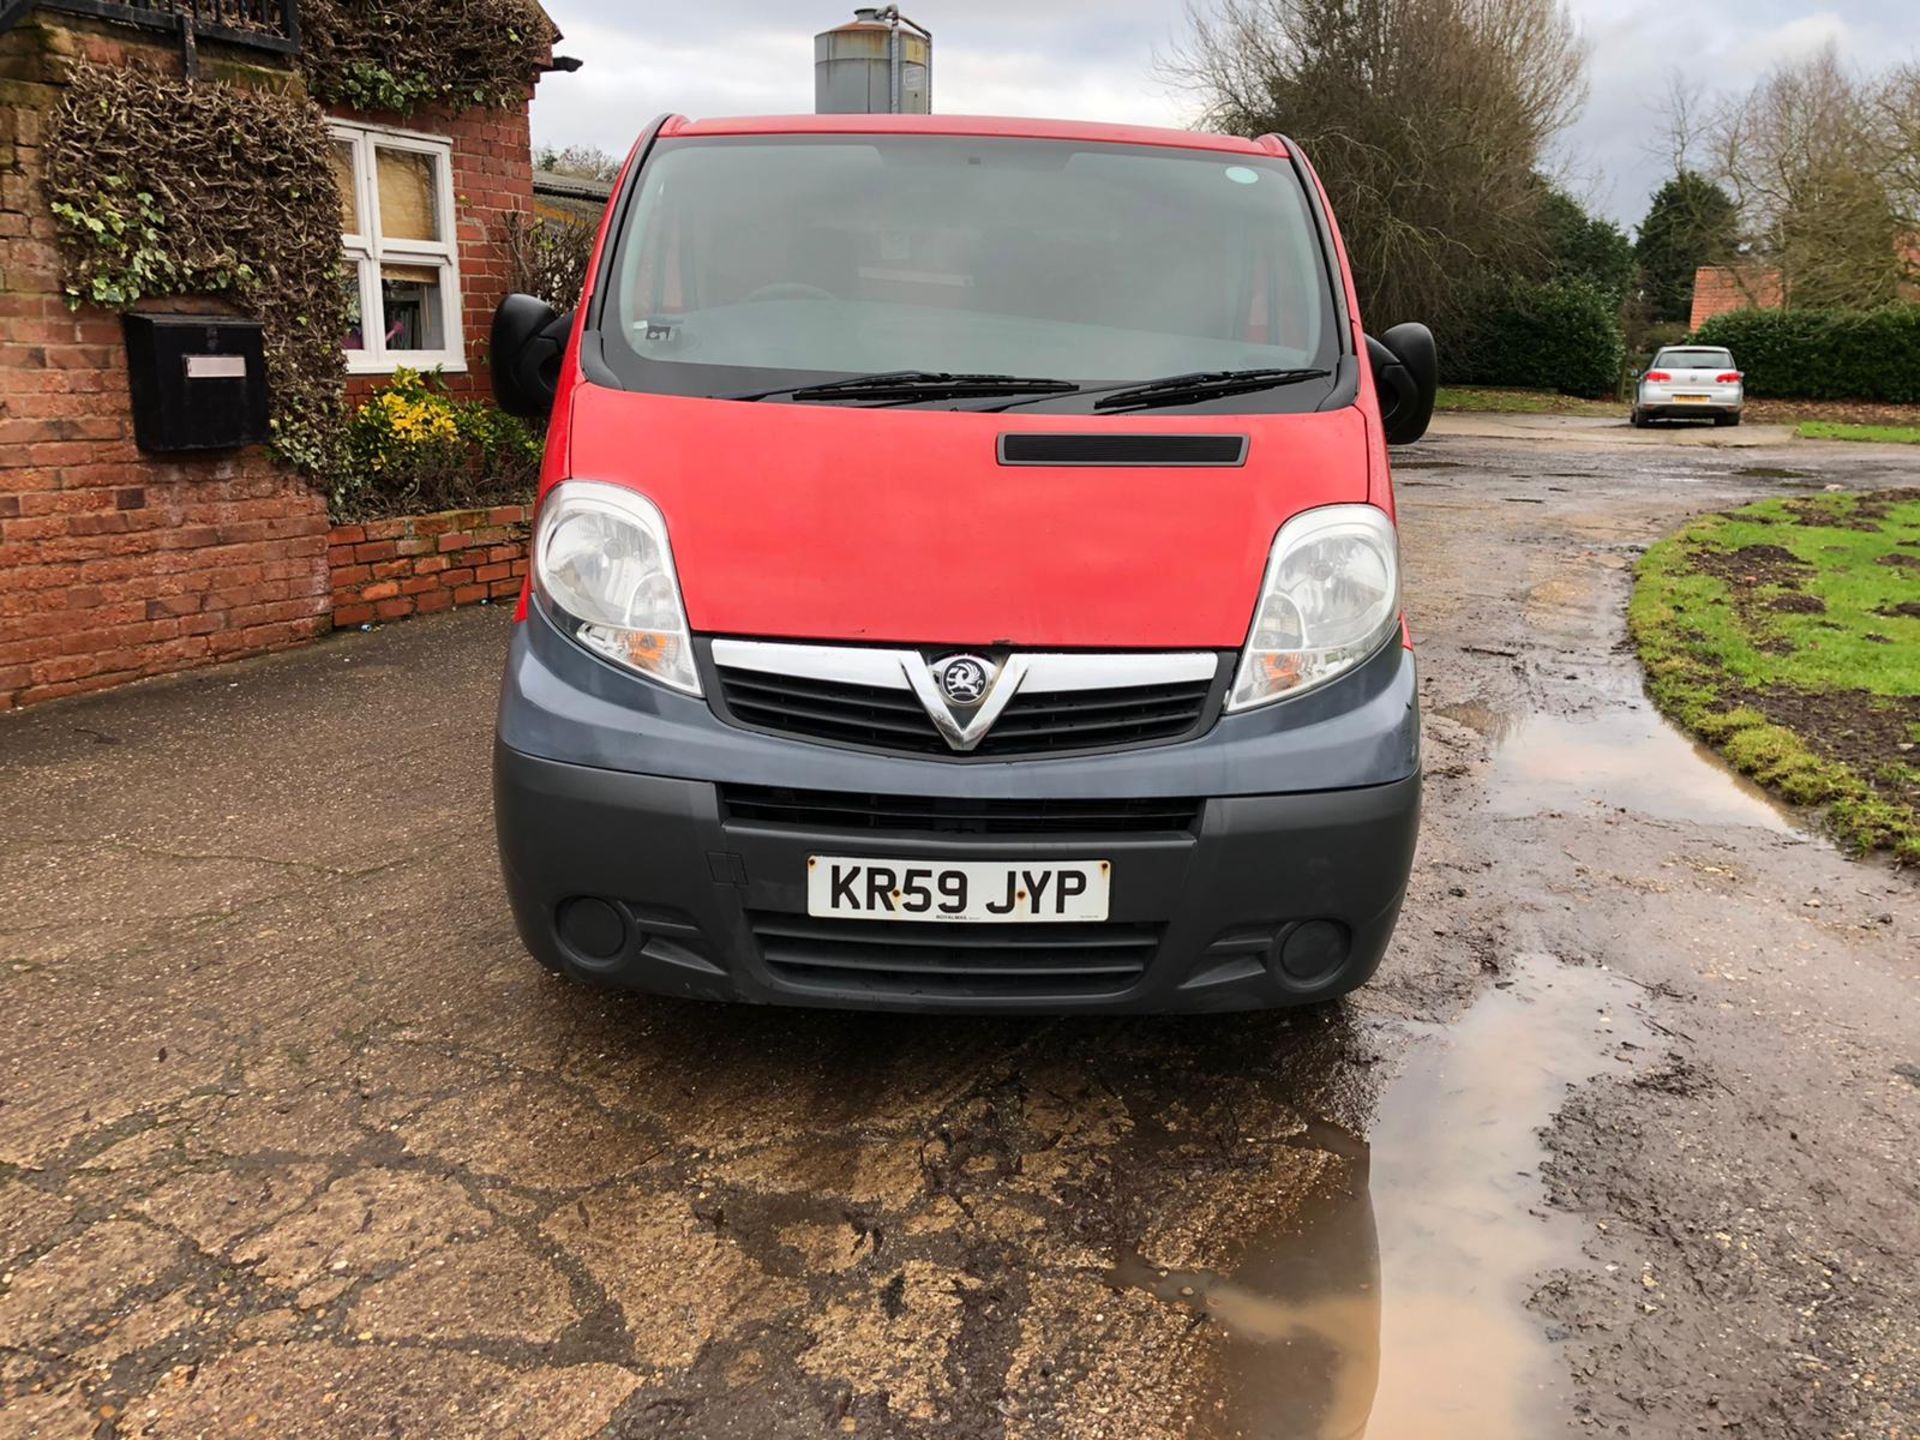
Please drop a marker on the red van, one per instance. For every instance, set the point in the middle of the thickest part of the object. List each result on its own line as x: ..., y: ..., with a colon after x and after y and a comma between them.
x: 965, y: 577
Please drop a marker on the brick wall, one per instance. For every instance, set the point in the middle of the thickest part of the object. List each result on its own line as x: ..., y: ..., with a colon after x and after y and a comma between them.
x: 115, y: 565
x: 1718, y: 289
x: 391, y: 569
x: 492, y: 181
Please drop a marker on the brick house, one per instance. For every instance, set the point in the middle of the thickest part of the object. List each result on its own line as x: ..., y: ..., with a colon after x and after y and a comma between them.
x: 116, y: 564
x: 1719, y: 289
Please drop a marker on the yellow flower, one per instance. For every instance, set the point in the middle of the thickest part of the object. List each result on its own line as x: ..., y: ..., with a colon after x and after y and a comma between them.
x: 417, y: 419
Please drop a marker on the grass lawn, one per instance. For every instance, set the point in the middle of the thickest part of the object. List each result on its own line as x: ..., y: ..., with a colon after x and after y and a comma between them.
x: 1787, y: 635
x: 1880, y: 434
x: 1816, y: 419
x: 1476, y: 400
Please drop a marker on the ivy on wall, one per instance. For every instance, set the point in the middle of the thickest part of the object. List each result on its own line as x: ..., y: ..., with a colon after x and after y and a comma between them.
x: 176, y: 187
x: 377, y: 55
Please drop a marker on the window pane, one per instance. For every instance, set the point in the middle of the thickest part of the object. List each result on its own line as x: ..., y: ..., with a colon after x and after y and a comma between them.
x: 356, y: 327
x: 409, y: 198
x: 411, y: 299
x: 349, y: 194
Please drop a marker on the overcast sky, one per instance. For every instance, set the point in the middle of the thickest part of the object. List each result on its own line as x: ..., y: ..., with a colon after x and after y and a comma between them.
x: 1096, y: 59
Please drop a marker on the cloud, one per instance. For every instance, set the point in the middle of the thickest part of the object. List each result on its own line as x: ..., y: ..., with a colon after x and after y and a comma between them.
x: 1615, y: 153
x: 1097, y: 60
x: 1076, y: 59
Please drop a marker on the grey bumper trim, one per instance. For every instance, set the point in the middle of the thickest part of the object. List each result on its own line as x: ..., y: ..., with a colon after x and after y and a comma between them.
x: 560, y: 703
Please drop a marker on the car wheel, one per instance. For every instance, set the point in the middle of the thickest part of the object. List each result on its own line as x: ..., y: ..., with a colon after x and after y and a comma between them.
x: 1726, y: 420
x: 1636, y: 419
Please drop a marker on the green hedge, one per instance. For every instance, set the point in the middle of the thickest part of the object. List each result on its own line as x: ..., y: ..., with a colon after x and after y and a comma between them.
x: 1562, y: 335
x: 1824, y: 354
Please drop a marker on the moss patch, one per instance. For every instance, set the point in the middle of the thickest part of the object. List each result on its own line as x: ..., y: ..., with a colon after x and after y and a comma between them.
x: 1787, y: 635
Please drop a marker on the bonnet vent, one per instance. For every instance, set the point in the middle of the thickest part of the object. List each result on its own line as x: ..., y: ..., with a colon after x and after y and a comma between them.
x: 1094, y: 449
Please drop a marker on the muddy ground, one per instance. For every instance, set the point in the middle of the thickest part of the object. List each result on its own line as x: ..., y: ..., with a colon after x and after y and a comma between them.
x: 295, y: 1141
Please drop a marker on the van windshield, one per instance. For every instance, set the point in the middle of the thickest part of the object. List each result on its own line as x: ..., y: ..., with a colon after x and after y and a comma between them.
x: 762, y: 262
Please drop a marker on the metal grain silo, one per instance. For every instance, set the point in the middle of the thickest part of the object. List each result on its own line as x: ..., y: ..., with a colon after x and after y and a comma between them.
x: 880, y: 64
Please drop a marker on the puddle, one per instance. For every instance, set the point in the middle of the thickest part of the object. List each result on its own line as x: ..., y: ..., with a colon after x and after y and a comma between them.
x: 1395, y: 1305
x: 1494, y: 724
x: 1623, y: 757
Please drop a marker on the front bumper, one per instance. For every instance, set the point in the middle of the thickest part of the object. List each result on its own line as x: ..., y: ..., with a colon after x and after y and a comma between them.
x: 647, y: 883
x: 625, y: 864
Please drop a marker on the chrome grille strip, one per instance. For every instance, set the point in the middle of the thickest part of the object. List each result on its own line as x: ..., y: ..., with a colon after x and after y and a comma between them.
x: 1045, y: 672
x: 908, y: 701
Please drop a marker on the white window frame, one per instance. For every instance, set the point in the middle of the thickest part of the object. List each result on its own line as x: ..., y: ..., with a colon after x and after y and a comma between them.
x: 367, y: 251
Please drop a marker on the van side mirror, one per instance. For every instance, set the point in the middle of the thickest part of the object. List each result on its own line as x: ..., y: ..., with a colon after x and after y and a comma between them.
x: 529, y: 338
x: 1406, y: 372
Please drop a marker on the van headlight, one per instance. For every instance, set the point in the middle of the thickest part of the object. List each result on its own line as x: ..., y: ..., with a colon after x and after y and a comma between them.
x: 1331, y: 598
x: 603, y: 571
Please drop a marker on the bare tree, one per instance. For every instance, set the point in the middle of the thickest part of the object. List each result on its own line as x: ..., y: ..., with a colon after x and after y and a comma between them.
x: 1427, y: 119
x: 586, y: 162
x: 1683, y: 113
x: 1898, y: 108
x: 1813, y: 157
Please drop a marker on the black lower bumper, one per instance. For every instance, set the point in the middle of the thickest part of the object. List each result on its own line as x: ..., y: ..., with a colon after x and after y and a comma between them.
x: 1719, y: 414
x: 654, y: 884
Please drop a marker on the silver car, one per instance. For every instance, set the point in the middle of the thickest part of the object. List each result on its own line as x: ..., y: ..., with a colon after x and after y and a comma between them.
x: 1690, y: 381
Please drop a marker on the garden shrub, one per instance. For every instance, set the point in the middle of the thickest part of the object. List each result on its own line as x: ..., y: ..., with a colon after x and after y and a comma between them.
x: 549, y: 258
x: 414, y: 447
x: 1824, y: 354
x: 1562, y: 335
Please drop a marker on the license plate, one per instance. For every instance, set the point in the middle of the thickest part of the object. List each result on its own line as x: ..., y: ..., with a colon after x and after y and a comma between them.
x: 974, y: 891
x: 1689, y: 399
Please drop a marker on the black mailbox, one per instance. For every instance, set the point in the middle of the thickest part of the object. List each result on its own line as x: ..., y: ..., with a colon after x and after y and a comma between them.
x: 199, y: 382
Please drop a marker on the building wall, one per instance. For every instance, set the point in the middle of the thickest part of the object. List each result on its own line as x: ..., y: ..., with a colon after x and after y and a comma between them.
x: 116, y: 565
x: 1718, y: 289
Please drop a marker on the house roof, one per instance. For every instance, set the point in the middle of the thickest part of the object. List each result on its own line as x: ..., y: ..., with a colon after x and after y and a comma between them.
x: 570, y: 197
x: 578, y: 187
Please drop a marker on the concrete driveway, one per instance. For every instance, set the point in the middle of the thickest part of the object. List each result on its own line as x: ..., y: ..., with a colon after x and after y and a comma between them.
x: 295, y: 1141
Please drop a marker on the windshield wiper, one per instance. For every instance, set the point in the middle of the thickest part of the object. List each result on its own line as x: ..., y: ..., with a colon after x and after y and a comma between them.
x: 1203, y: 385
x: 916, y: 385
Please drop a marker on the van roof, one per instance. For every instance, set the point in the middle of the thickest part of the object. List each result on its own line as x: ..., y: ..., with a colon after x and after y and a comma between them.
x: 965, y: 125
